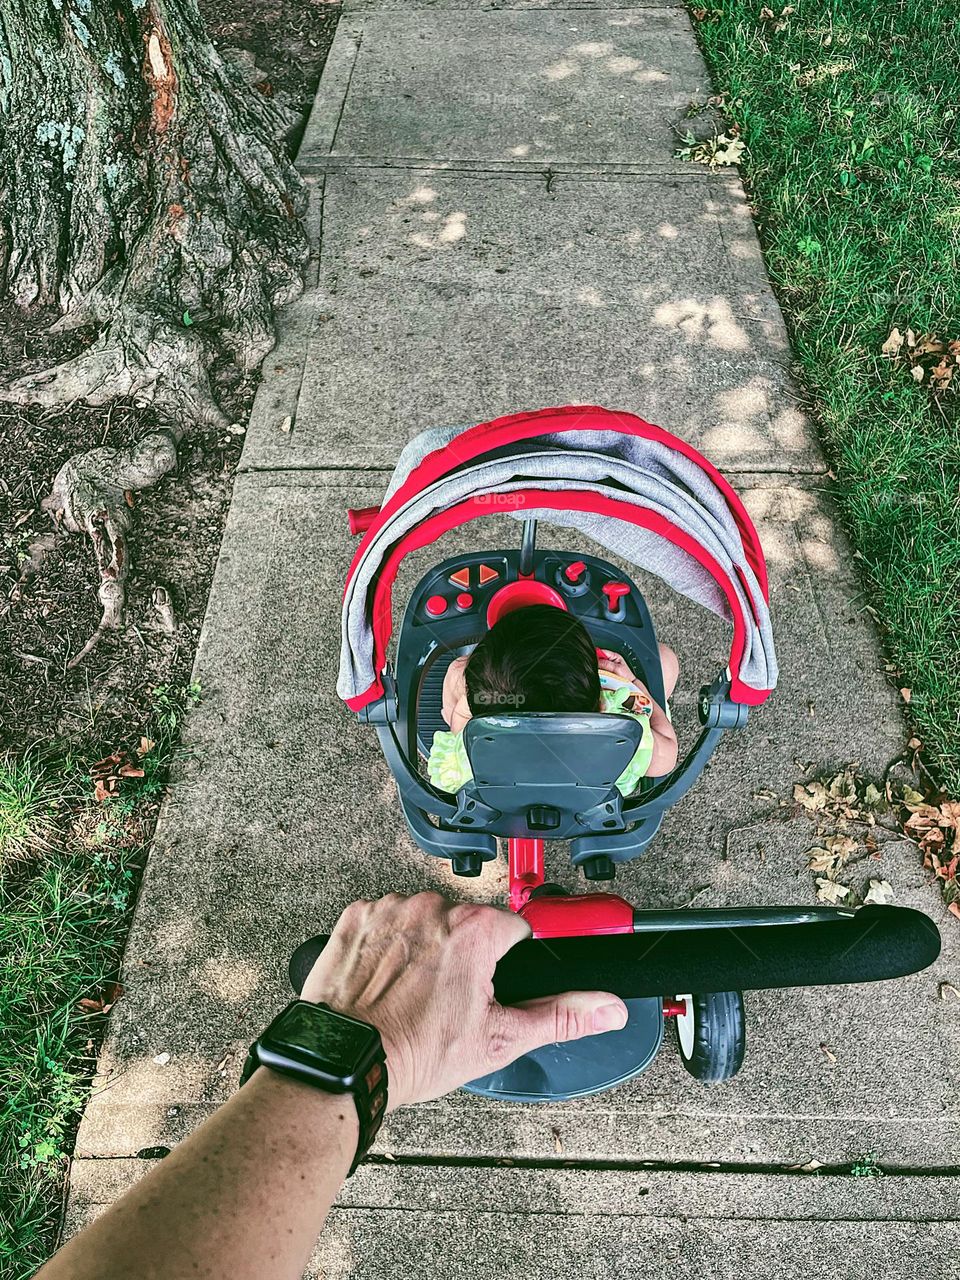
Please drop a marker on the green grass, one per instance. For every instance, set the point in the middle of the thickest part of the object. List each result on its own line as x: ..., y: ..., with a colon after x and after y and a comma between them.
x: 851, y: 117
x: 28, y: 808
x: 69, y: 870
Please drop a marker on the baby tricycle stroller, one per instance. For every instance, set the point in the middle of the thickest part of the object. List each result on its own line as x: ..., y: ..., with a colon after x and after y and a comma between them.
x: 654, y: 501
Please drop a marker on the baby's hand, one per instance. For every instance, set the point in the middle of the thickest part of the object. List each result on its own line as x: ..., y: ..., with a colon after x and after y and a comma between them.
x: 607, y: 660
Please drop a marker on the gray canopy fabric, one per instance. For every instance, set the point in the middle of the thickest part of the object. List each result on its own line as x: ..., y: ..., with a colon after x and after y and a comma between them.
x: 654, y: 501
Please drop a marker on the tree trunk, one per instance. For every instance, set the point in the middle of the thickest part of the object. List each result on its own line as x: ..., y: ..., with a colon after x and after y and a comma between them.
x: 145, y: 189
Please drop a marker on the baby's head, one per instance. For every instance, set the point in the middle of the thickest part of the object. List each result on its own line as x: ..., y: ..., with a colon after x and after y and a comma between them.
x: 538, y: 658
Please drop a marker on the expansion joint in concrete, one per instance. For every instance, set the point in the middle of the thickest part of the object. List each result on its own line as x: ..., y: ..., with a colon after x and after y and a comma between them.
x: 469, y: 167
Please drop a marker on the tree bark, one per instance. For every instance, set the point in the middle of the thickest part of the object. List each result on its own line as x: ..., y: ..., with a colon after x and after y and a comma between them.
x: 145, y: 189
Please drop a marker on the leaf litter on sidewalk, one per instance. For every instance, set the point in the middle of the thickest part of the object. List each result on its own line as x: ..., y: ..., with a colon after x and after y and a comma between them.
x: 854, y: 814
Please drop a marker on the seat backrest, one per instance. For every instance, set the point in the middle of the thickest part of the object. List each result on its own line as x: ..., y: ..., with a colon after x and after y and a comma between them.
x: 540, y: 770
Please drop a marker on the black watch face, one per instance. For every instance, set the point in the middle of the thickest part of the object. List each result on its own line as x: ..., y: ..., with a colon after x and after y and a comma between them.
x: 329, y: 1037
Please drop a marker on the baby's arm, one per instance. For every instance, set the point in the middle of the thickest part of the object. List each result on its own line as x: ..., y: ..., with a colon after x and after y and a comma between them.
x: 665, y: 747
x: 454, y: 700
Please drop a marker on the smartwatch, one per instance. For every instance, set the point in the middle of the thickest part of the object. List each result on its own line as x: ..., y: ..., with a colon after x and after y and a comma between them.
x: 332, y: 1052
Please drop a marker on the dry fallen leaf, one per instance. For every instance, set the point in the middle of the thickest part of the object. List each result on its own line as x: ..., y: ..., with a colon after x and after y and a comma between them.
x: 893, y: 344
x: 942, y: 373
x: 830, y: 891
x: 843, y: 786
x: 946, y: 870
x: 841, y: 847
x: 820, y: 862
x: 731, y: 152
x: 929, y: 344
x: 933, y: 841
x: 830, y: 1057
x: 813, y: 796
x: 880, y: 892
x: 110, y: 994
x: 917, y: 372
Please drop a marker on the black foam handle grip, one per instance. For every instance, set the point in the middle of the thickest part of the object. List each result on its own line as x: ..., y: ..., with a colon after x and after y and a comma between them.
x: 875, y: 944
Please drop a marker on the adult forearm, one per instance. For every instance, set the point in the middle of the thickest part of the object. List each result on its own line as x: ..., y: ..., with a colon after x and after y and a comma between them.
x: 243, y: 1198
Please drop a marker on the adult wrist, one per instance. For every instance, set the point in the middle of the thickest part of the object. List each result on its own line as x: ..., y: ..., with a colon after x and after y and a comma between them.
x: 333, y: 1052
x: 319, y: 1114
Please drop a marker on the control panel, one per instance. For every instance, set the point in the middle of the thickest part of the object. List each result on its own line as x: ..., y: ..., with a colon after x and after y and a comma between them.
x: 464, y: 588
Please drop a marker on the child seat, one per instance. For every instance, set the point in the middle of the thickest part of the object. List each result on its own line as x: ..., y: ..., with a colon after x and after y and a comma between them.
x: 548, y: 775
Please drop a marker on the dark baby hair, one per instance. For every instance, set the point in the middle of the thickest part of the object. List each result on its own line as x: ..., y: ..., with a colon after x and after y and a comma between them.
x: 538, y: 658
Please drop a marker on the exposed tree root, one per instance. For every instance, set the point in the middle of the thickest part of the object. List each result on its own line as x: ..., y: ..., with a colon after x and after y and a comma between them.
x: 162, y: 602
x: 166, y: 369
x: 92, y: 494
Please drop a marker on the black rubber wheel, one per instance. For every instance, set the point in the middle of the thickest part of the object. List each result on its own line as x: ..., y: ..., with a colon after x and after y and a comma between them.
x: 712, y: 1036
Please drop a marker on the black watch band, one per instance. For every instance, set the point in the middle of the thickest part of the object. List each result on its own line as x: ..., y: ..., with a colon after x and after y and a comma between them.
x: 331, y: 1051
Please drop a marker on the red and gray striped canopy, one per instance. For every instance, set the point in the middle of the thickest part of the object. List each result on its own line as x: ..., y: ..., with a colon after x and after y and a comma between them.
x: 643, y: 494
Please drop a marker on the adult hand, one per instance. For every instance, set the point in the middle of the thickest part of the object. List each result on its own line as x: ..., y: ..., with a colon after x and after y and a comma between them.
x: 420, y: 970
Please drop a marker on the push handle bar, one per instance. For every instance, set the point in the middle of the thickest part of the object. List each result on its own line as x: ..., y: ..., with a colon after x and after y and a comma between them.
x: 873, y: 944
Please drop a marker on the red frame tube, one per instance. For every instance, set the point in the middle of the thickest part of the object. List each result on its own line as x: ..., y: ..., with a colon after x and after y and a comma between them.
x: 560, y: 915
x: 525, y: 864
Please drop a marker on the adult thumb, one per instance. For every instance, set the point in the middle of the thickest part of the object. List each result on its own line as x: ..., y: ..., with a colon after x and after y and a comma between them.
x: 571, y: 1016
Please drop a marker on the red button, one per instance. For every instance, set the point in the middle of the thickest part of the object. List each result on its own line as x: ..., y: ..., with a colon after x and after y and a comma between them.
x: 461, y: 578
x: 487, y: 574
x: 436, y: 605
x: 574, y: 572
x: 464, y: 600
x: 614, y: 591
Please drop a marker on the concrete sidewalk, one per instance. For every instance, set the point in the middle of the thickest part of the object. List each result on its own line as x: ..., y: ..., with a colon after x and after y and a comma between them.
x: 500, y: 223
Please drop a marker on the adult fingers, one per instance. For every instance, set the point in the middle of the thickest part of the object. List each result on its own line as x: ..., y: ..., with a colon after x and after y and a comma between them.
x: 528, y: 1026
